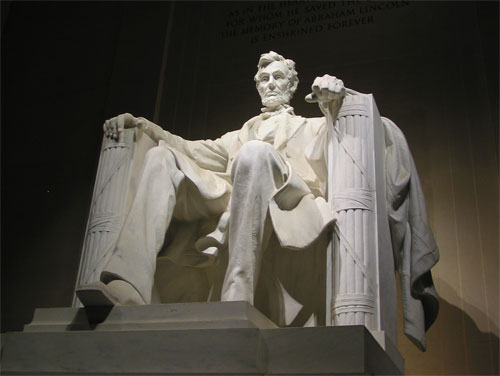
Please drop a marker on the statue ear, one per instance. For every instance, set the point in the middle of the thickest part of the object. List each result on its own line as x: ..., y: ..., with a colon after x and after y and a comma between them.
x: 293, y: 87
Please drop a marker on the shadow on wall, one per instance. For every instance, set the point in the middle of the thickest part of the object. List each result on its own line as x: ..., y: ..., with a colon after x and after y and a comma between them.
x: 481, y: 348
x: 456, y: 345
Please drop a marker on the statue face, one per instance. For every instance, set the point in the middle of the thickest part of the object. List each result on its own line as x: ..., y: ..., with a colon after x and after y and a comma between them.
x: 274, y: 85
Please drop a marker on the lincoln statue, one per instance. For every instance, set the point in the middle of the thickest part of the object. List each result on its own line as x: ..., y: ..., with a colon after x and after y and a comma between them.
x: 267, y: 180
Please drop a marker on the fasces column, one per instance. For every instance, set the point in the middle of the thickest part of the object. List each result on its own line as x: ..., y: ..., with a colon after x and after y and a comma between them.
x: 119, y: 166
x: 354, y: 289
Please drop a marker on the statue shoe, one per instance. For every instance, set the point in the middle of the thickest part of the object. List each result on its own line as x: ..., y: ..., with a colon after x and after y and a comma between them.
x: 116, y: 292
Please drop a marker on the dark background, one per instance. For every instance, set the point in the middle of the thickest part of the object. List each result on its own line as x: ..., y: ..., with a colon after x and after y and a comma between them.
x: 68, y: 66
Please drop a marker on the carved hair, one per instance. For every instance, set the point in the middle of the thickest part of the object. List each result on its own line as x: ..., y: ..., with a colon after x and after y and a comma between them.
x: 268, y: 58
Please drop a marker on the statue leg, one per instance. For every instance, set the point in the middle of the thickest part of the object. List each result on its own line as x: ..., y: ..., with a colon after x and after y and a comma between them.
x: 258, y: 171
x: 163, y: 192
x: 143, y: 233
x: 128, y: 275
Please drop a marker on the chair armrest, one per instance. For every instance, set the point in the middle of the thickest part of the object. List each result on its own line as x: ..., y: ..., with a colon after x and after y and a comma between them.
x: 118, y: 171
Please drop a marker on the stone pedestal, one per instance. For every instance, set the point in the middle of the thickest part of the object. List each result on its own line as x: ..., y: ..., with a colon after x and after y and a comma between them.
x: 196, y: 339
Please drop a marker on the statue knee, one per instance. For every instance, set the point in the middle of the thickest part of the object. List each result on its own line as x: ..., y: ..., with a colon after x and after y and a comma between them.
x: 160, y: 162
x: 159, y: 154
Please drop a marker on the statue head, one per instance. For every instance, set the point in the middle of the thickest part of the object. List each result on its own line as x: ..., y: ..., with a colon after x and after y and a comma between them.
x: 276, y: 80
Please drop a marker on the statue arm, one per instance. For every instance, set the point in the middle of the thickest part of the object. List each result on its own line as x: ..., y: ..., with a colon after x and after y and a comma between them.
x: 208, y: 154
x: 154, y: 131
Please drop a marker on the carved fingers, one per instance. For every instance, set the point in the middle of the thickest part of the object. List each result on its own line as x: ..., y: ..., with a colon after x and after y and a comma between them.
x: 326, y: 89
x: 112, y: 127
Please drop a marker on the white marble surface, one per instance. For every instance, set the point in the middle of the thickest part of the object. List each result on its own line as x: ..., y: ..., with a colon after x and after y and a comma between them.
x: 230, y: 179
x: 191, y: 350
x: 280, y: 184
x: 215, y: 315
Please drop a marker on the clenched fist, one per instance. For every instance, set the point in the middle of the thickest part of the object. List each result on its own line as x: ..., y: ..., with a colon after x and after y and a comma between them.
x: 326, y: 89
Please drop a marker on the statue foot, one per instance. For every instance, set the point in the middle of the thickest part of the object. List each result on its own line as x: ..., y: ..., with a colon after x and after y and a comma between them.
x: 116, y: 292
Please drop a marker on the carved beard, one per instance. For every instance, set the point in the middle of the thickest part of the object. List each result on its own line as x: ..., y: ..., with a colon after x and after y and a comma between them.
x: 276, y: 101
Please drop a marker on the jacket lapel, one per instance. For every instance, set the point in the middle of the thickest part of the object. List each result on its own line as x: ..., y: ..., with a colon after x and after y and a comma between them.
x: 243, y: 136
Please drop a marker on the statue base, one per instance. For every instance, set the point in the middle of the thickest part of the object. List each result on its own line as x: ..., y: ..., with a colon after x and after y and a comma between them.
x: 193, y: 338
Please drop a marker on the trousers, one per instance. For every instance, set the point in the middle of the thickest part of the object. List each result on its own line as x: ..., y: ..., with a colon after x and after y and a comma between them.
x: 164, y: 192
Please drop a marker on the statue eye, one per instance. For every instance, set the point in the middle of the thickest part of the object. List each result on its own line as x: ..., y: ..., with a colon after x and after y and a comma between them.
x: 264, y: 78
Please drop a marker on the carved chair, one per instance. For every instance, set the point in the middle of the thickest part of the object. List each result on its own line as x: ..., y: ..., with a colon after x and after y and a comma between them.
x: 358, y: 264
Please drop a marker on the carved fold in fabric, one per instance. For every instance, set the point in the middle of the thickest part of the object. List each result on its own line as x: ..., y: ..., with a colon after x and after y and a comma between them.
x: 217, y: 238
x: 413, y: 243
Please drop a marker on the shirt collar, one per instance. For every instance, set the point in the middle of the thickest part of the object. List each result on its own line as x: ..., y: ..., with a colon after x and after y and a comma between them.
x: 266, y: 113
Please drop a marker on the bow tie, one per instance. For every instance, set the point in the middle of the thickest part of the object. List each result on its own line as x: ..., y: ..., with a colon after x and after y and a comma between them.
x: 267, y: 114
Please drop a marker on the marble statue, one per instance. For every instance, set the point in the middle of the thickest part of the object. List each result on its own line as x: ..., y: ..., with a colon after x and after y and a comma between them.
x: 268, y: 185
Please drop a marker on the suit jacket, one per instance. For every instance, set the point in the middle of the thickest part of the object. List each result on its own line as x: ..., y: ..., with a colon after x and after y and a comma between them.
x: 298, y: 210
